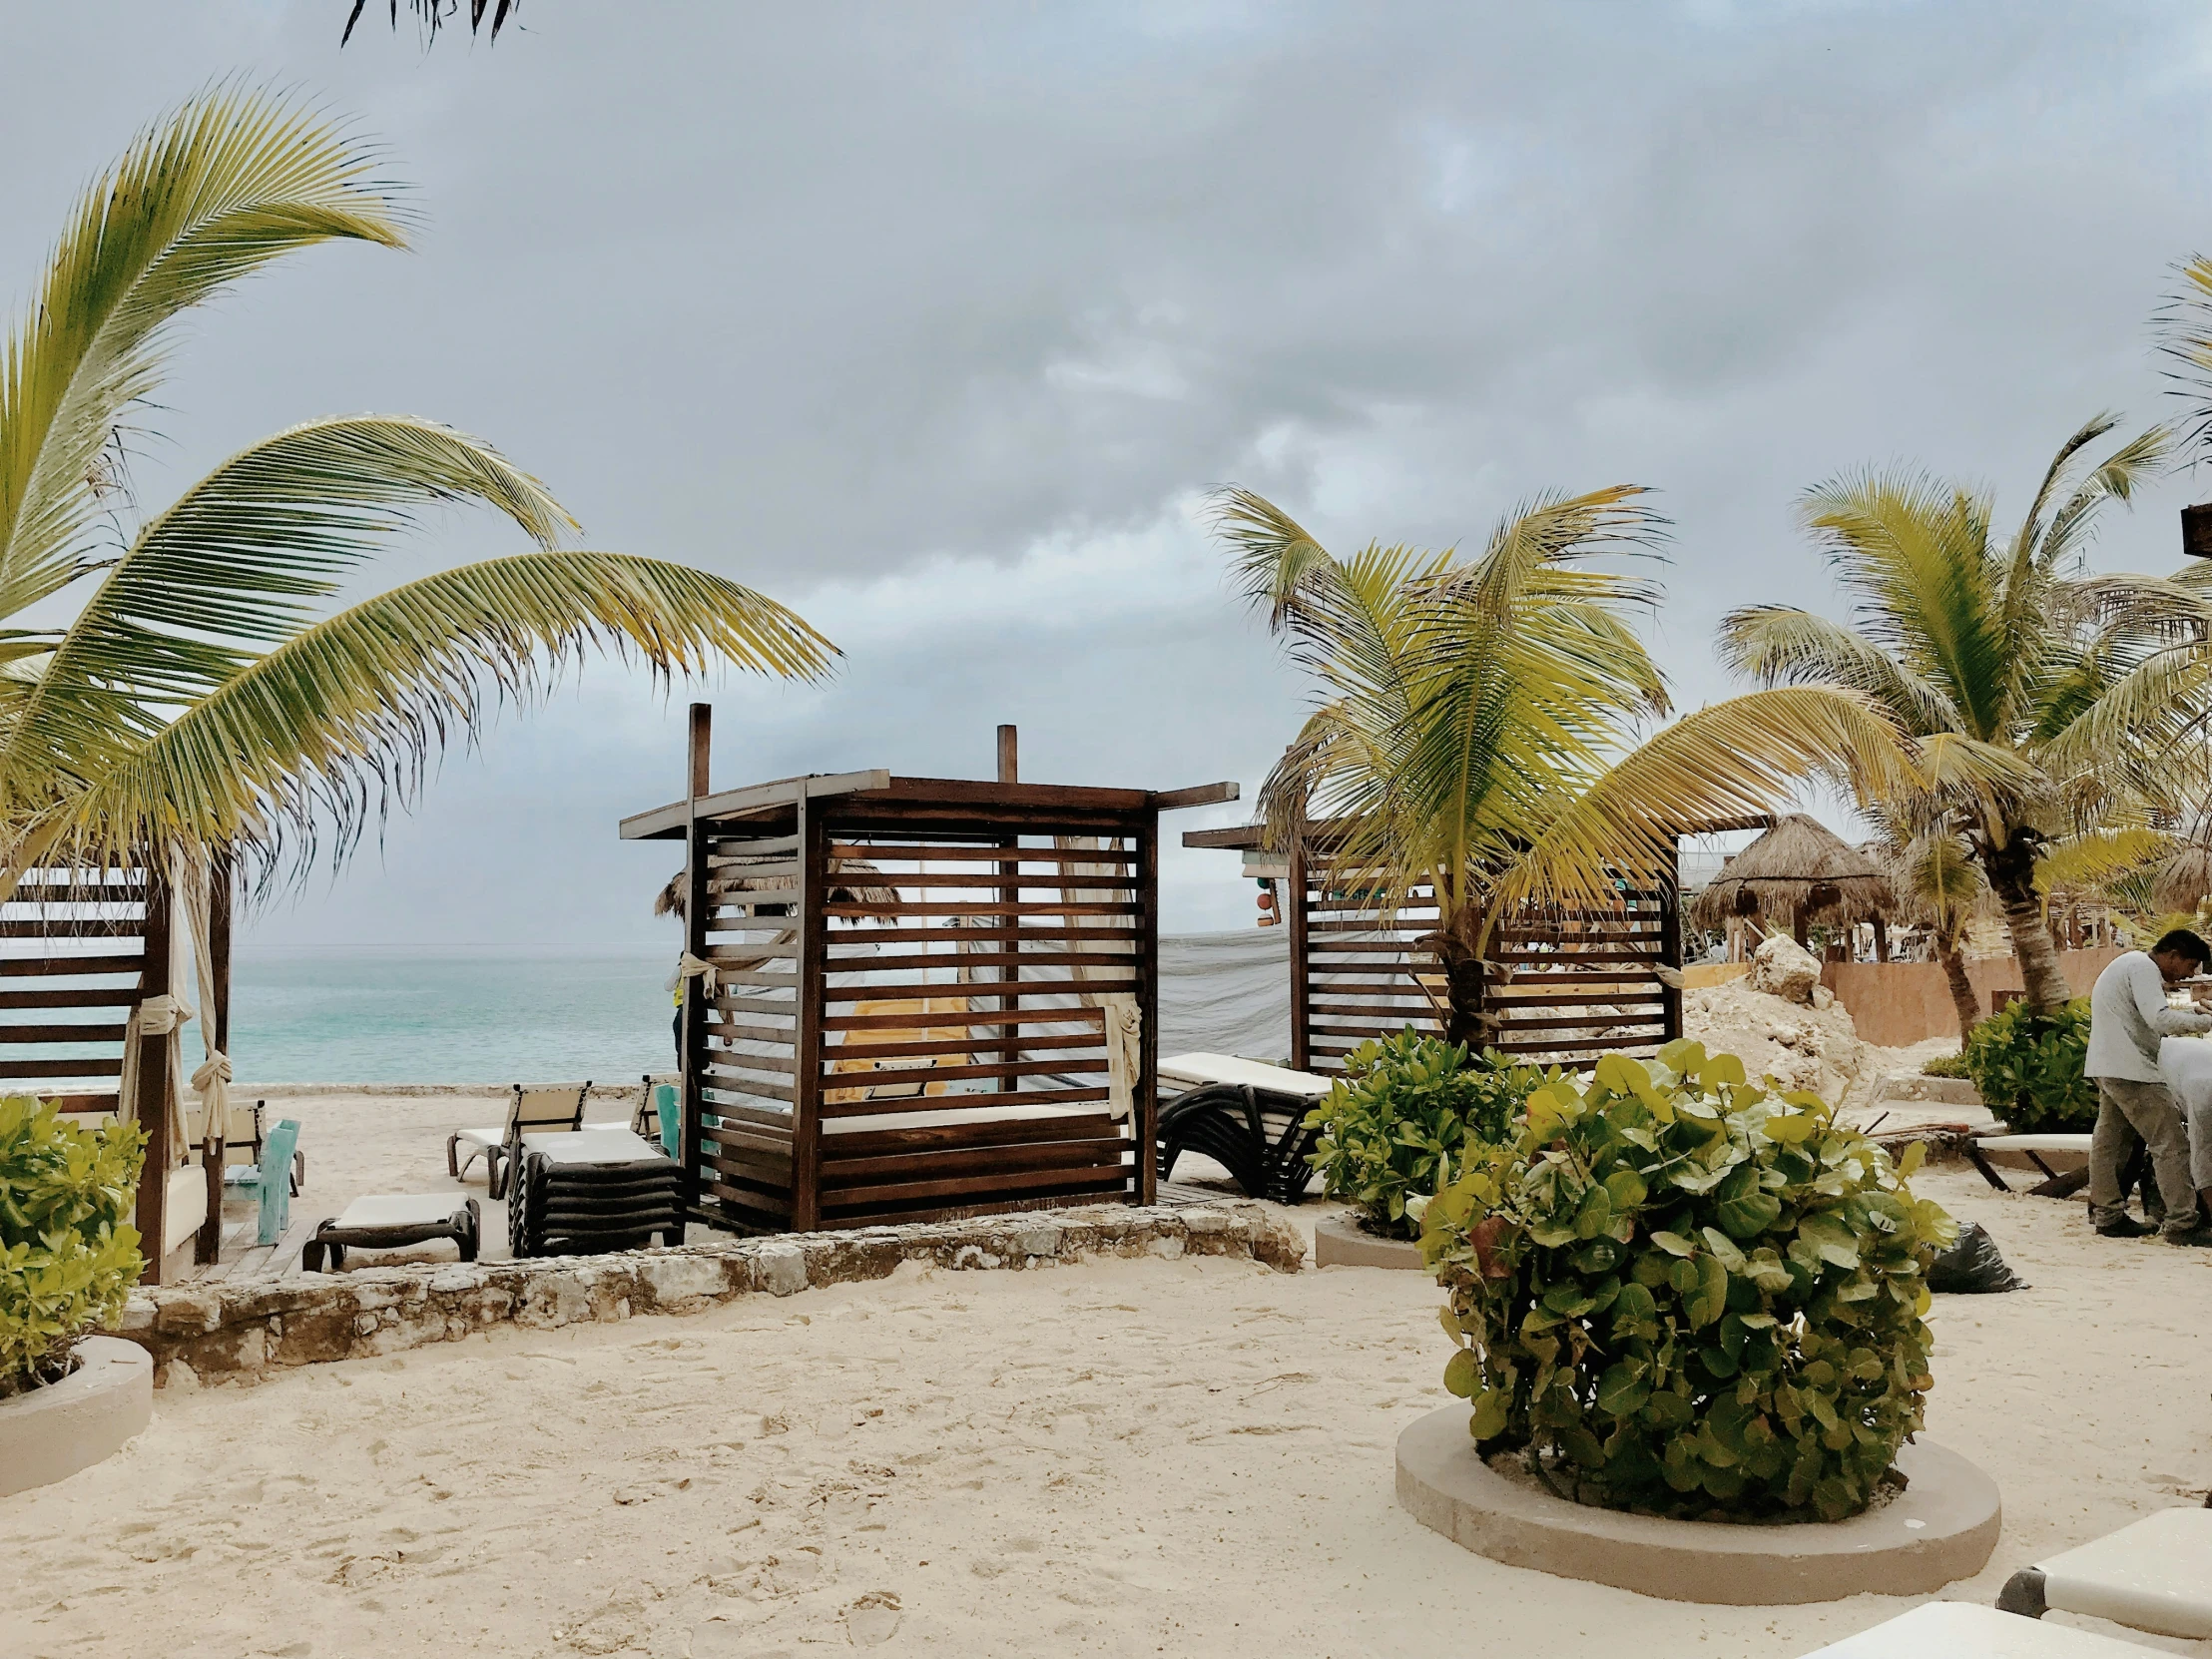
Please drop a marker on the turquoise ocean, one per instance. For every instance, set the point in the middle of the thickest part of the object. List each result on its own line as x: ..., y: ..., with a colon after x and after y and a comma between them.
x: 512, y: 1014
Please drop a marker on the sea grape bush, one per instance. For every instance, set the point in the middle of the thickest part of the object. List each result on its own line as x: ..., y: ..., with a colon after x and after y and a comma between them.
x: 68, y: 1255
x: 1685, y: 1294
x: 1400, y: 1121
x: 2028, y: 1068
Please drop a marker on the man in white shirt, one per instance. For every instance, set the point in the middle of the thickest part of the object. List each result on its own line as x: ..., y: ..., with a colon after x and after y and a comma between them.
x: 2127, y: 1016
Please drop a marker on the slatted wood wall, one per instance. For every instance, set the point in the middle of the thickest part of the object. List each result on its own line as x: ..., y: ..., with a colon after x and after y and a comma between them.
x: 72, y: 953
x: 844, y: 1013
x: 1352, y: 979
x: 1583, y: 980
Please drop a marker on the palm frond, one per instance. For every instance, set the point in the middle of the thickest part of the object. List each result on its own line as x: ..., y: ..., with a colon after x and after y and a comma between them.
x: 1725, y: 761
x: 233, y: 180
x: 1779, y: 645
x: 337, y: 724
x: 227, y: 569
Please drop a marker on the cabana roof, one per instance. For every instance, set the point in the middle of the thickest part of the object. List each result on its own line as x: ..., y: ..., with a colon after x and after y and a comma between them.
x: 1800, y: 869
x: 880, y: 788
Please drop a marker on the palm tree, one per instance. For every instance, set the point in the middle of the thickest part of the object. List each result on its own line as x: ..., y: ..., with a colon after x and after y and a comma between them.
x: 197, y: 693
x: 2043, y: 701
x: 1474, y: 720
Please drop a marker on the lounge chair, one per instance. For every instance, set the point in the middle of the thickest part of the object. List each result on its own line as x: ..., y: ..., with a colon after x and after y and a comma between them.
x: 2055, y: 1183
x: 2154, y: 1574
x: 558, y: 1109
x: 275, y: 1196
x: 1964, y: 1630
x: 241, y: 1139
x: 390, y: 1221
x: 575, y: 1194
x: 1248, y: 1117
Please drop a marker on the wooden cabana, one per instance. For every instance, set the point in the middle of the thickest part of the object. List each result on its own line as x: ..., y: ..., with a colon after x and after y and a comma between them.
x: 81, y: 955
x: 1800, y: 873
x: 1576, y: 982
x: 915, y: 997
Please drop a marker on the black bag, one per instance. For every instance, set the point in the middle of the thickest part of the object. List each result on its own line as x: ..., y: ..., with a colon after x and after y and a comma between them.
x: 1973, y: 1267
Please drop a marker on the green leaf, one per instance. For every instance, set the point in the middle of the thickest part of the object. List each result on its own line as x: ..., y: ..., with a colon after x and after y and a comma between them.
x: 1463, y: 1374
x: 1674, y: 1243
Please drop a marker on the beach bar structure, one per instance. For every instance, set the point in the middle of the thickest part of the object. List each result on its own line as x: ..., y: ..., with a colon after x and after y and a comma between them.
x: 915, y: 997
x: 82, y: 952
x: 1569, y: 983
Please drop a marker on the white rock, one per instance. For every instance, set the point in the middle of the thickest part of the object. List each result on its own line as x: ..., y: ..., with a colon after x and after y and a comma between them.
x: 781, y: 1269
x: 1782, y: 967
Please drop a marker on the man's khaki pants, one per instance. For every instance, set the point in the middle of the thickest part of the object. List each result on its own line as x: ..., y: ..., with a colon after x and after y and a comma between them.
x: 2128, y: 1111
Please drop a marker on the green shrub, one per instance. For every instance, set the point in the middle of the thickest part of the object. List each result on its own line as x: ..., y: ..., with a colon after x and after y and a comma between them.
x: 68, y: 1255
x: 1397, y: 1123
x: 2028, y: 1068
x: 1683, y: 1295
x: 1944, y: 1065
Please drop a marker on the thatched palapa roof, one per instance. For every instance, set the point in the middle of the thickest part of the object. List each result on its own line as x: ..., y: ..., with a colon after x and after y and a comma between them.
x: 1799, y: 870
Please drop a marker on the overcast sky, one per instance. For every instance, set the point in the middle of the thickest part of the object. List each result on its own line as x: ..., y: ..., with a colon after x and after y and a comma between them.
x: 937, y: 322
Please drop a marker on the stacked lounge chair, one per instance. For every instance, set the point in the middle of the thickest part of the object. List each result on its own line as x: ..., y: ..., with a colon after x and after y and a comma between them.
x: 610, y: 1189
x: 1248, y: 1117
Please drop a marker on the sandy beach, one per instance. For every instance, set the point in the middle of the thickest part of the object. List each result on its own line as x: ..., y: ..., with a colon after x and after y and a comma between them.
x: 1118, y: 1458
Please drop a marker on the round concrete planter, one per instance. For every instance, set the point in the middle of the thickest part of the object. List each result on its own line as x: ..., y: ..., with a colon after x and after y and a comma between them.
x: 1942, y: 1527
x: 52, y: 1432
x: 1338, y: 1243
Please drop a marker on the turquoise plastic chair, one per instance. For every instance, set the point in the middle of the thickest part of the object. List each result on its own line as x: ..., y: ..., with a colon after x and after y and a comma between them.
x: 276, y: 1151
x: 669, y: 1117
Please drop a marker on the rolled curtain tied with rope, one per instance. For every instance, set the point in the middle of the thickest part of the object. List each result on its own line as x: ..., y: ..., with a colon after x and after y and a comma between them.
x: 210, y: 1079
x: 689, y: 967
x: 156, y: 1016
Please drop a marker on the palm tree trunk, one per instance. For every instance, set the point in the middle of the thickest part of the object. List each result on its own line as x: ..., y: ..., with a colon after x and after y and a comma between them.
x: 1455, y: 944
x: 1961, y: 988
x: 2011, y: 873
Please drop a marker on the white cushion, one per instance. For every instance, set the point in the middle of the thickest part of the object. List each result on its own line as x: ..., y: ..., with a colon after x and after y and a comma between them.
x: 2155, y: 1574
x: 613, y: 1144
x: 401, y: 1210
x: 2033, y: 1143
x: 187, y: 1205
x: 1193, y: 1070
x: 1968, y: 1630
x: 494, y: 1136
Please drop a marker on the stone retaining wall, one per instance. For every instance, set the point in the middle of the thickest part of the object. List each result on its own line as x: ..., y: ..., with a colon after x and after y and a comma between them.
x: 242, y: 1330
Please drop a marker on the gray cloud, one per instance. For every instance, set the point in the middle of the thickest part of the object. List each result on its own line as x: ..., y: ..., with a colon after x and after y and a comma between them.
x: 936, y: 321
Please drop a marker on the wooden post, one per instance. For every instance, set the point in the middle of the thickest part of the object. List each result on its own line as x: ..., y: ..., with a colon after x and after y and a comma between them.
x: 1670, y: 943
x: 221, y: 883
x: 814, y: 954
x: 696, y: 902
x: 1145, y: 1108
x: 154, y: 1108
x: 1302, y: 1047
x: 1881, y: 940
x: 1009, y: 772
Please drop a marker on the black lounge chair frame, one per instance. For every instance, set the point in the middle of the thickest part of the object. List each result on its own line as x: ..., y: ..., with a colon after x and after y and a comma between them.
x: 557, y: 1209
x: 464, y: 1226
x: 1258, y: 1137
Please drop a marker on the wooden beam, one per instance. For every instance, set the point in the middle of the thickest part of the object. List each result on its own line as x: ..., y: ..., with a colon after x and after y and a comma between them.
x: 1198, y: 795
x: 700, y: 751
x: 1009, y: 755
x: 666, y: 823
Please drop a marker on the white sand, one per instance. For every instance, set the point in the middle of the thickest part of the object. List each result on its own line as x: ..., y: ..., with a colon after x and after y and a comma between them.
x: 363, y: 1143
x: 1125, y: 1457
